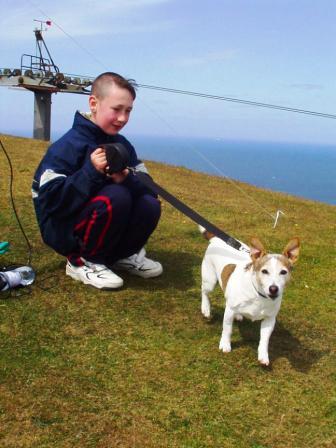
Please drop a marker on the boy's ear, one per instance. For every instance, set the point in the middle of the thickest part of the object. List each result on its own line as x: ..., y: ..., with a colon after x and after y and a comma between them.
x: 291, y: 251
x: 93, y: 103
x: 257, y: 250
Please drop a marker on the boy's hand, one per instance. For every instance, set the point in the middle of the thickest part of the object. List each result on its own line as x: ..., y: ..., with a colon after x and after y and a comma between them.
x: 98, y: 160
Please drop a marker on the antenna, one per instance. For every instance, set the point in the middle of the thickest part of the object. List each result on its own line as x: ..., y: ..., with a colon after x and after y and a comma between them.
x: 45, y: 64
x: 41, y: 75
x: 41, y: 22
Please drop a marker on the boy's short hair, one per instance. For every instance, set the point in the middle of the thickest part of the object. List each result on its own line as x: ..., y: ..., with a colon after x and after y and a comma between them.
x: 105, y: 80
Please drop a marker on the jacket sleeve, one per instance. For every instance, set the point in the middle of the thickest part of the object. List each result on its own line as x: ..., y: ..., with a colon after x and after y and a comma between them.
x: 66, y: 184
x: 135, y: 186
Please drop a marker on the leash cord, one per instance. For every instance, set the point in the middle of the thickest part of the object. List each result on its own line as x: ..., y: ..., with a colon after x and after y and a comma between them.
x: 186, y: 210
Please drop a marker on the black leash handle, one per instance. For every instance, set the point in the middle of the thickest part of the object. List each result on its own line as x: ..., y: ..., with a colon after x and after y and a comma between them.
x: 179, y: 205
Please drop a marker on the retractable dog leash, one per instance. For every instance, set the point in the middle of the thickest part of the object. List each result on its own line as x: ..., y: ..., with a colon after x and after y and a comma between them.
x: 186, y: 210
x: 118, y: 159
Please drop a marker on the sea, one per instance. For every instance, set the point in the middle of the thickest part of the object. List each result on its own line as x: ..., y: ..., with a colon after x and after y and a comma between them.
x: 303, y: 170
x: 300, y: 169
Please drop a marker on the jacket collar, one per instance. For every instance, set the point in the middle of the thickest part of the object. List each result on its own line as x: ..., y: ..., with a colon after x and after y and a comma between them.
x: 86, y: 127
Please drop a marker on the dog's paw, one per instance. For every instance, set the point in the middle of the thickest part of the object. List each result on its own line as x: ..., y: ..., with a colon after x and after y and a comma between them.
x: 206, y: 309
x: 264, y: 360
x: 239, y: 317
x: 225, y: 346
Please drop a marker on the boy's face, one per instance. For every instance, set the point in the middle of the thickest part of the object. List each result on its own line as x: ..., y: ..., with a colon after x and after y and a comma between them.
x: 112, y: 111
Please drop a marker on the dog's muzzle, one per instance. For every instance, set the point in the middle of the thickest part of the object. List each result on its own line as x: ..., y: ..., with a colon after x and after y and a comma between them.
x: 273, y: 291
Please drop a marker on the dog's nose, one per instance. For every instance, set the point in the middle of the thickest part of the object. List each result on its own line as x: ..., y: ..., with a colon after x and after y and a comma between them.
x: 273, y: 289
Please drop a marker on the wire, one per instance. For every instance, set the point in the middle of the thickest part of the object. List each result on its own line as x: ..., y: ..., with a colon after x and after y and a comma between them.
x: 16, y: 292
x: 184, y: 92
x: 67, y: 34
x: 13, y: 203
x: 201, y: 95
x: 188, y: 92
x: 237, y: 100
x: 214, y: 167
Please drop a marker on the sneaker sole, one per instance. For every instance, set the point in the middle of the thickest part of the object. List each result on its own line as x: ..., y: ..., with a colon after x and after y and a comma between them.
x: 78, y: 278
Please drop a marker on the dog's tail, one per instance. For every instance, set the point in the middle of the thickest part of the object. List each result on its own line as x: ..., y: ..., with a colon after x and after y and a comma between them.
x: 207, y: 235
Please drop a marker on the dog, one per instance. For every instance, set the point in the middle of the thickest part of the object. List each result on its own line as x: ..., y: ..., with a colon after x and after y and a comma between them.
x: 253, y: 283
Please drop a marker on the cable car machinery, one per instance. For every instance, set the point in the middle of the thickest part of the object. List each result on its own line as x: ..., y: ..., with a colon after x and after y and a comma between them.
x: 42, y: 76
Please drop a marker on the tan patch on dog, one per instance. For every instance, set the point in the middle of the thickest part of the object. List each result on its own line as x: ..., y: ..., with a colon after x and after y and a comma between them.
x: 286, y: 262
x: 225, y: 275
x: 259, y: 263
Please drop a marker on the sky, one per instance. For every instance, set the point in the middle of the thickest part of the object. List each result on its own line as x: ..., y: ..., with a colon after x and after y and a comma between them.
x: 271, y: 51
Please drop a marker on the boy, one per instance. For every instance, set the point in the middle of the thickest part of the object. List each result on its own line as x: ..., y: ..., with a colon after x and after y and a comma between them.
x: 97, y: 220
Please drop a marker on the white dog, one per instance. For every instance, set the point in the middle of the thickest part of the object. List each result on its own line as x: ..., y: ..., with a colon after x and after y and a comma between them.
x: 253, y: 283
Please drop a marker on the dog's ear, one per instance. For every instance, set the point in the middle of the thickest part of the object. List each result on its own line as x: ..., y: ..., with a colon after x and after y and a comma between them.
x: 291, y: 251
x: 257, y: 250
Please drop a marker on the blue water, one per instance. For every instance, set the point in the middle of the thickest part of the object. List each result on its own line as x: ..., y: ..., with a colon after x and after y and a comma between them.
x: 304, y: 170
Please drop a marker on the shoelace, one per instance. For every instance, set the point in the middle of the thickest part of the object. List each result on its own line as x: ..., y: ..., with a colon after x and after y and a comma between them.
x: 96, y: 267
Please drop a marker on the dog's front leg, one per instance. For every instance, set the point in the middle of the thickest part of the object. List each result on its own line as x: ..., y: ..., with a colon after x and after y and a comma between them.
x: 225, y: 342
x: 266, y: 329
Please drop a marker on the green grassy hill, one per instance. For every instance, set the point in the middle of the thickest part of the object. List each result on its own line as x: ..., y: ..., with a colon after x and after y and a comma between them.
x: 140, y: 367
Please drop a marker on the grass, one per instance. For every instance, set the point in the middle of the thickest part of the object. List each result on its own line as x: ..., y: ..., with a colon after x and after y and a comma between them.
x: 140, y: 367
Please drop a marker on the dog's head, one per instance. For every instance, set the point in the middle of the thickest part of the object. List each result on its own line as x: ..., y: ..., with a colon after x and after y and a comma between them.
x: 272, y: 271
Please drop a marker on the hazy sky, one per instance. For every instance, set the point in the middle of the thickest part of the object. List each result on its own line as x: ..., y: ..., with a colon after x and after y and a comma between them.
x: 272, y: 51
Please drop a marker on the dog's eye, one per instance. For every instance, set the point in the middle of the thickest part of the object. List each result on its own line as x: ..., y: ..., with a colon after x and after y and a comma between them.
x: 264, y: 271
x: 283, y: 272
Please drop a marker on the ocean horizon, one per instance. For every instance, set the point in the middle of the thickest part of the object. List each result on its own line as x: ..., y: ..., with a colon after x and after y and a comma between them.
x: 303, y: 170
x: 299, y: 169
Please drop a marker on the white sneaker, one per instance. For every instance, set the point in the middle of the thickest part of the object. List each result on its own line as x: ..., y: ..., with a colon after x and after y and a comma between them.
x: 138, y: 264
x: 97, y: 275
